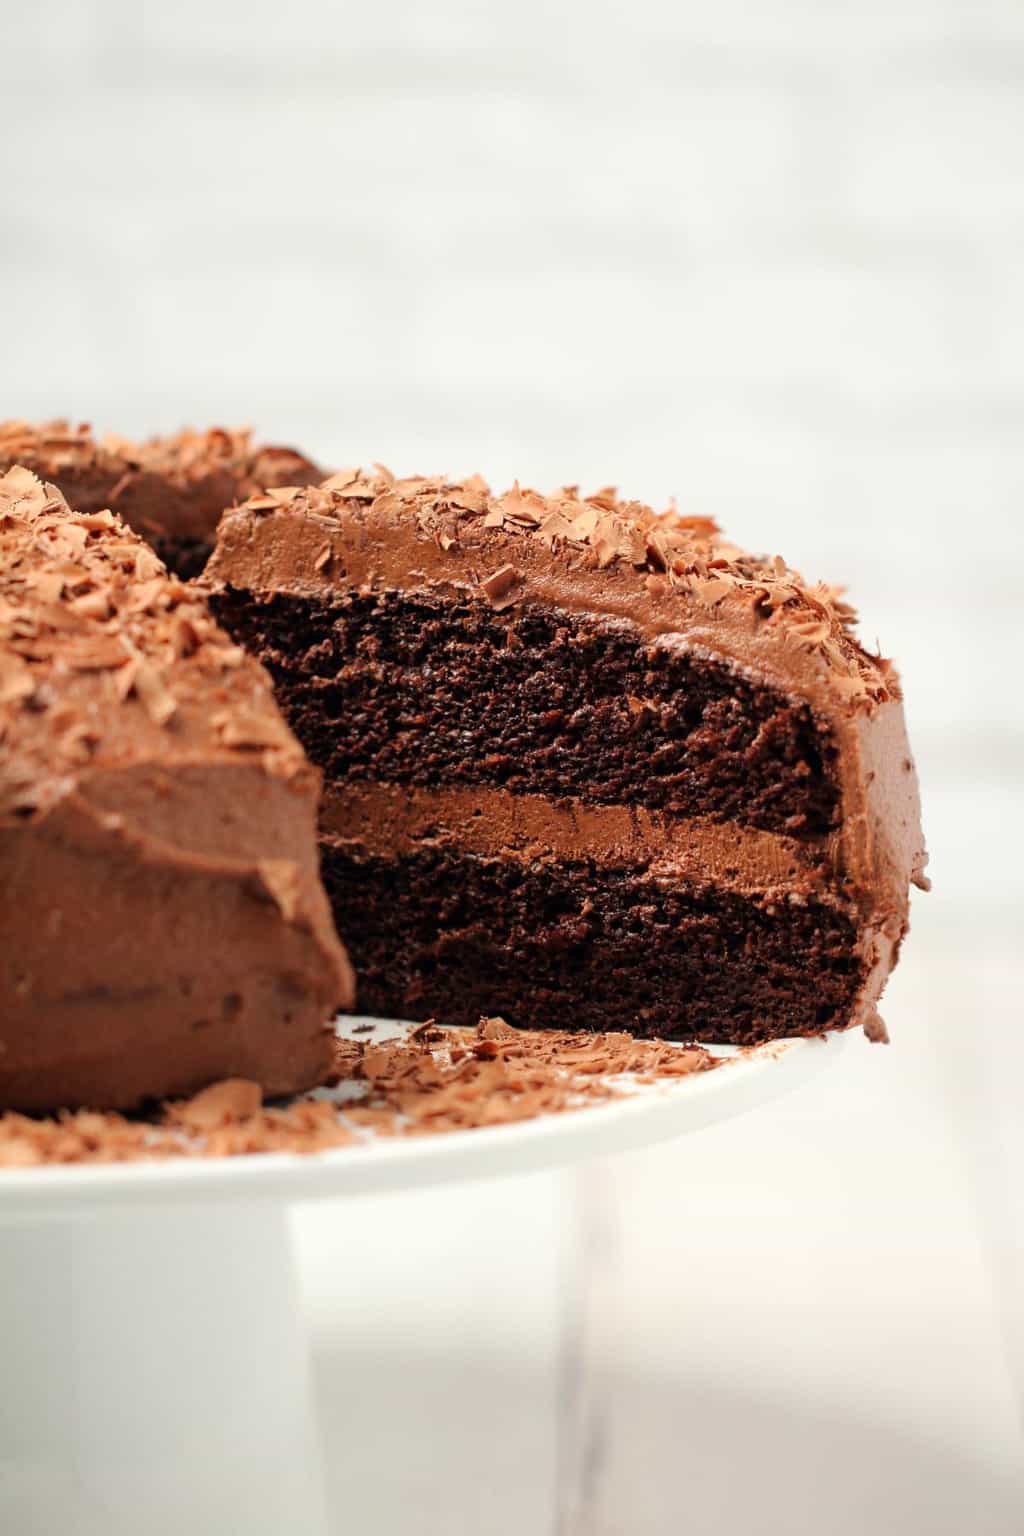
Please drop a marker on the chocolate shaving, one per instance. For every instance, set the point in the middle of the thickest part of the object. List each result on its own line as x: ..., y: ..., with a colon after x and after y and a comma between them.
x: 499, y: 583
x: 232, y: 1099
x: 95, y: 653
x: 16, y: 680
x: 435, y: 1080
x: 243, y: 730
x: 157, y: 698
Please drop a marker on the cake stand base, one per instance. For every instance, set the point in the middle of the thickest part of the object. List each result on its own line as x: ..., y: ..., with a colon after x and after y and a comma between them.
x: 153, y: 1360
x: 161, y: 1375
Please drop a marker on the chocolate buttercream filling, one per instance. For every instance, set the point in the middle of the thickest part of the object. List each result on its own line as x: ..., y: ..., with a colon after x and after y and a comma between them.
x: 393, y: 820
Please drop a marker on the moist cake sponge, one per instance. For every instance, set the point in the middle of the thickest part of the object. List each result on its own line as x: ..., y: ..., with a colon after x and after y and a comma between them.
x: 586, y: 765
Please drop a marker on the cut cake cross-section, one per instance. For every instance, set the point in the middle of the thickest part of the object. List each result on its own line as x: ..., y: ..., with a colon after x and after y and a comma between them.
x: 586, y: 765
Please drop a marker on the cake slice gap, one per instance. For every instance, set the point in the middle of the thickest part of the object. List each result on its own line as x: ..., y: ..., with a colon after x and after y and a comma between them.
x: 171, y: 490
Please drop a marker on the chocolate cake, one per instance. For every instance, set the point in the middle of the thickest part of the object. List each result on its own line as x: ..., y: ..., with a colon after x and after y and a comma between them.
x: 171, y: 490
x: 586, y: 766
x: 163, y: 921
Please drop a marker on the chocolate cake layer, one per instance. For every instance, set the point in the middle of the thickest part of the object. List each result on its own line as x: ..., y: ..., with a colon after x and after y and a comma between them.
x: 450, y: 935
x: 163, y: 922
x: 683, y: 760
x: 417, y: 689
x: 171, y: 490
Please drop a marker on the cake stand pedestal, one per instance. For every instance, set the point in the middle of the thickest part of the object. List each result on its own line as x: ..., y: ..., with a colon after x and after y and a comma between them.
x: 152, y: 1351
x: 162, y: 1375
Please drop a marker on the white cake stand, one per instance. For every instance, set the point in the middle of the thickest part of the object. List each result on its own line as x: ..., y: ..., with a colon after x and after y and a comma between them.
x: 153, y: 1364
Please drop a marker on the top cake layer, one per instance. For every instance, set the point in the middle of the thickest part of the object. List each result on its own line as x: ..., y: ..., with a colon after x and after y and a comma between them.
x: 659, y: 570
x: 165, y: 923
x: 171, y: 490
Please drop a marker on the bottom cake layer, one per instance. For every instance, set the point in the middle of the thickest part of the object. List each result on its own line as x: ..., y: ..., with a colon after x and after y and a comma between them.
x: 450, y: 935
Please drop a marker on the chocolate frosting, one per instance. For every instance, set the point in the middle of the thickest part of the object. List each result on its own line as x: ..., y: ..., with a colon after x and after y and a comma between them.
x: 174, y: 487
x: 676, y: 582
x: 392, y: 820
x: 164, y: 923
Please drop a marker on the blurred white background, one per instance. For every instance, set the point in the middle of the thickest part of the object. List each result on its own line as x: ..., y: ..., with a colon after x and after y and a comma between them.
x: 762, y: 257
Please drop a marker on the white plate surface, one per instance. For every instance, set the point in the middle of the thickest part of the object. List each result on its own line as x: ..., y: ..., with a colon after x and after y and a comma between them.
x: 652, y: 1112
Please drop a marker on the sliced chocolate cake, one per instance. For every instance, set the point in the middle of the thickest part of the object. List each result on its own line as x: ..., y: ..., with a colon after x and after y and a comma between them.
x: 586, y: 766
x: 171, y: 490
x: 163, y: 922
